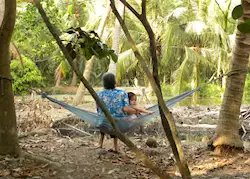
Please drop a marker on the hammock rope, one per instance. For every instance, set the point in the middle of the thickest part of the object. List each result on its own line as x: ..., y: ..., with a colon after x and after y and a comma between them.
x: 124, y: 124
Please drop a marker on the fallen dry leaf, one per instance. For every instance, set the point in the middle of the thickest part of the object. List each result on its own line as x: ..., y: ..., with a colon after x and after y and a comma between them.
x: 4, y: 173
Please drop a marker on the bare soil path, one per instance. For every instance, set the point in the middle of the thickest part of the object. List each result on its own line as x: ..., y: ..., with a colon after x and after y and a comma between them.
x: 52, y: 154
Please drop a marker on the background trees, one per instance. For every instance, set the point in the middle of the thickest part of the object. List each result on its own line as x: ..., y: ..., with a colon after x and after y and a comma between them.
x: 191, y: 42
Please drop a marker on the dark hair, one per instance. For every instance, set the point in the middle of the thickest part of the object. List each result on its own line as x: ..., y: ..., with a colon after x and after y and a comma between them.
x: 130, y: 95
x: 108, y: 80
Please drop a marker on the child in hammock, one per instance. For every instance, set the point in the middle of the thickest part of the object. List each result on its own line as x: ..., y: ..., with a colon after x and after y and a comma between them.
x: 132, y: 101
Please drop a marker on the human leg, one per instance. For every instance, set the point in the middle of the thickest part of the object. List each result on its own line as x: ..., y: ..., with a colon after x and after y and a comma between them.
x: 116, y: 144
x: 101, y: 140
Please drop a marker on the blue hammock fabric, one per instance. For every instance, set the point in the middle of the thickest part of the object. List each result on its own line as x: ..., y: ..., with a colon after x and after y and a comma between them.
x: 124, y: 124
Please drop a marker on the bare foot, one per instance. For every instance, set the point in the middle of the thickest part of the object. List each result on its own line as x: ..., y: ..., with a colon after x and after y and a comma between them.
x: 114, y: 151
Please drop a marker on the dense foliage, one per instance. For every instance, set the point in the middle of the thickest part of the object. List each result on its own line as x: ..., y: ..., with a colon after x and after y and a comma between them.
x: 25, y: 77
x: 193, y: 44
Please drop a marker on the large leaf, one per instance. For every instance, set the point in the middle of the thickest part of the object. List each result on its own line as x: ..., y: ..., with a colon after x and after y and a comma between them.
x: 237, y: 12
x: 244, y: 27
x: 90, y: 44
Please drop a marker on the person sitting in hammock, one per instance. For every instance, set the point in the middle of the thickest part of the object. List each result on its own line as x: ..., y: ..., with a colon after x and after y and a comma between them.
x: 133, y: 103
x: 116, y: 101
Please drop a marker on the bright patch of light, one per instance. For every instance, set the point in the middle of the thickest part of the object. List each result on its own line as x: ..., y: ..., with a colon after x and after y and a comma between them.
x: 178, y: 12
x: 232, y: 40
x: 196, y: 27
x: 99, y: 9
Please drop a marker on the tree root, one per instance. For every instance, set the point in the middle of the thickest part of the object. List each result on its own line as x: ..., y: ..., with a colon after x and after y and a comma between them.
x: 41, y: 160
x: 39, y: 132
x: 222, y: 145
x: 226, y: 150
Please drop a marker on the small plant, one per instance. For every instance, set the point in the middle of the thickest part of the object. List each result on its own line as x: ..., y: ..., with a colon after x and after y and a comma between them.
x: 25, y: 77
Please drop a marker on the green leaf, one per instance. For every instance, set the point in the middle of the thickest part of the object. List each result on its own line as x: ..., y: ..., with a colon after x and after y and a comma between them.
x: 90, y: 44
x: 65, y: 68
x: 247, y: 21
x: 88, y: 55
x: 244, y: 27
x: 71, y: 9
x: 237, y: 12
x: 114, y: 57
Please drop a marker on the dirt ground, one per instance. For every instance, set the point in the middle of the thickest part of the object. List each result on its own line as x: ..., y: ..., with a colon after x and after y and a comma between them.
x: 55, y: 150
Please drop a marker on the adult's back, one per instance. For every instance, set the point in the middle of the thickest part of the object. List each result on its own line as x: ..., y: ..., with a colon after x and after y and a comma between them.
x: 115, y: 100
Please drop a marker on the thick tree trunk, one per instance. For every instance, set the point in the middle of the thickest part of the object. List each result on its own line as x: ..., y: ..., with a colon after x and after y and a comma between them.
x: 228, y: 125
x: 8, y: 129
x: 78, y: 98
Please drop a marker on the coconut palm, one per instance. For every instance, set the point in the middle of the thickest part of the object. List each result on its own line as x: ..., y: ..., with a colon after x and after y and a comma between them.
x: 192, y: 43
x: 116, y: 38
x: 90, y: 63
x: 228, y: 125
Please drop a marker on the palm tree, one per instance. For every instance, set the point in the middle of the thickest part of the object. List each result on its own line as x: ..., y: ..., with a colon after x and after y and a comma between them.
x: 116, y: 39
x: 228, y: 125
x: 191, y: 44
x: 184, y: 38
x: 90, y: 63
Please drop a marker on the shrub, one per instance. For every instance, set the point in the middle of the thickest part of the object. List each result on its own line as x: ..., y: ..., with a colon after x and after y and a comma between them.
x: 211, y: 90
x: 25, y: 77
x: 167, y: 90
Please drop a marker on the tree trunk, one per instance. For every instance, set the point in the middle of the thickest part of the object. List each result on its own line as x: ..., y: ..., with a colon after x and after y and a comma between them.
x: 166, y: 116
x: 116, y: 38
x: 58, y: 75
x: 8, y: 129
x: 228, y: 125
x: 74, y: 77
x: 146, y: 161
x: 58, y: 81
x: 78, y: 98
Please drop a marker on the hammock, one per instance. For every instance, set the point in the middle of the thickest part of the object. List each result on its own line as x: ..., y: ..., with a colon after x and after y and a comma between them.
x: 124, y: 124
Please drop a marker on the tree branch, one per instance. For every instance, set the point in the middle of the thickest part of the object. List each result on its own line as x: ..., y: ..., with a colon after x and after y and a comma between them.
x: 225, y: 15
x: 167, y: 117
x: 131, y: 9
x: 70, y: 60
x: 147, y: 162
x: 143, y: 8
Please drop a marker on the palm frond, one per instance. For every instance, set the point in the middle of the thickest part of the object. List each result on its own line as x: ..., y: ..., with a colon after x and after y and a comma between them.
x: 127, y: 61
x: 180, y: 75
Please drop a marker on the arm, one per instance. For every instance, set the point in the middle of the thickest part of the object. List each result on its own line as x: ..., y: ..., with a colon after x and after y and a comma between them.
x: 142, y: 110
x: 129, y: 110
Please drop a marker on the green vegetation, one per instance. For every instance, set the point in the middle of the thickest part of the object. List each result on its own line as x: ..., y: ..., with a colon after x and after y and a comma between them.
x: 193, y: 44
x: 26, y: 77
